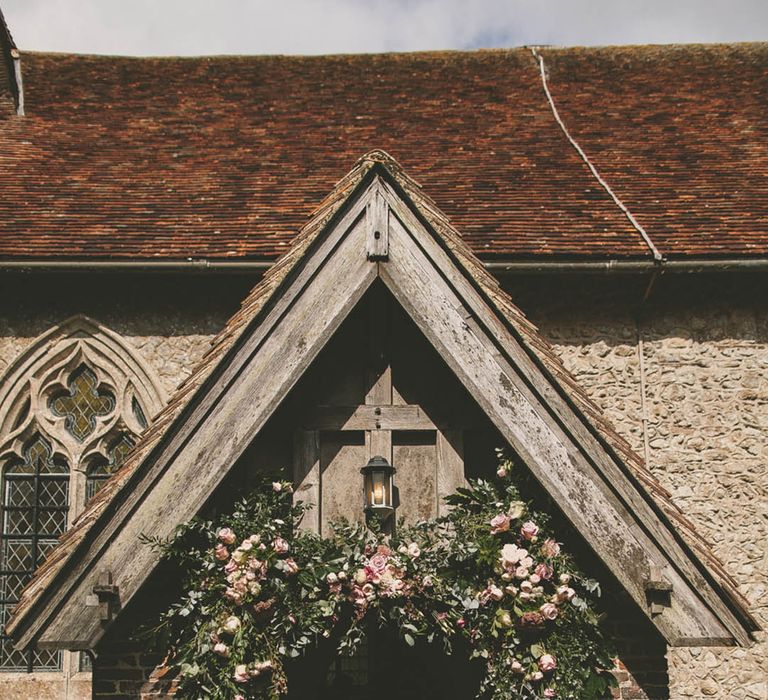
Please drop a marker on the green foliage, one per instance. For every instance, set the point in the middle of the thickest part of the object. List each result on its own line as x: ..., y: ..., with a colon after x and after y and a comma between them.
x: 260, y: 592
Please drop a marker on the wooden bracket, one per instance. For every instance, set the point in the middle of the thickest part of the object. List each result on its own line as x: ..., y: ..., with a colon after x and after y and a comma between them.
x: 377, y: 221
x: 108, y: 595
x: 658, y: 591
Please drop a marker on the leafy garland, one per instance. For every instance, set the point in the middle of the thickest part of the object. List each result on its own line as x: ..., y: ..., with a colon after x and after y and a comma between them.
x: 260, y: 592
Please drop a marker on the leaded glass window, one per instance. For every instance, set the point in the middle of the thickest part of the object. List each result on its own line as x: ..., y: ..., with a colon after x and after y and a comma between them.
x: 71, y: 408
x: 35, y: 505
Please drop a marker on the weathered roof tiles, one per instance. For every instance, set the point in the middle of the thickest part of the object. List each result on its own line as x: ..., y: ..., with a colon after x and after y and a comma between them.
x: 224, y: 158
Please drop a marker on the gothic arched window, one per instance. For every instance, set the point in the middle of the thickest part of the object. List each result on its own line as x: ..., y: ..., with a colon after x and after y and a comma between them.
x: 71, y: 408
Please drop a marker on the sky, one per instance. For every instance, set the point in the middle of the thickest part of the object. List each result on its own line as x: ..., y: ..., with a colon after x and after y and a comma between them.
x: 200, y: 27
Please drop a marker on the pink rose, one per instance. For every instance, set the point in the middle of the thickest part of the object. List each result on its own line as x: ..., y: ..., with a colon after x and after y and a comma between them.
x: 547, y: 663
x: 499, y: 523
x: 378, y: 562
x: 544, y: 571
x: 221, y: 552
x: 280, y: 545
x: 221, y: 649
x: 233, y: 596
x: 516, y: 667
x: 290, y: 566
x: 501, y: 472
x: 226, y: 535
x: 241, y: 674
x: 277, y: 487
x: 565, y: 593
x: 549, y: 693
x: 413, y: 550
x: 460, y: 623
x: 537, y: 676
x: 549, y: 611
x: 550, y: 548
x: 529, y: 530
x: 239, y: 697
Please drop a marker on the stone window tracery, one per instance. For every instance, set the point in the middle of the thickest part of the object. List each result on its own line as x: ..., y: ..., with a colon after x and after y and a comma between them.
x: 71, y: 408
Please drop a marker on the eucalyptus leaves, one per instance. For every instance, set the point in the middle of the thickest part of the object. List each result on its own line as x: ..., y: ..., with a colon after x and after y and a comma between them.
x: 262, y: 594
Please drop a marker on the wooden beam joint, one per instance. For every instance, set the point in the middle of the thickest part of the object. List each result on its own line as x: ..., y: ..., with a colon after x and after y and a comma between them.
x: 108, y: 596
x: 377, y: 235
x: 658, y: 591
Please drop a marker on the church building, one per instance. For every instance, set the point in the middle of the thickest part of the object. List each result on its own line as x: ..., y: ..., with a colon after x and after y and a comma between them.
x: 215, y: 267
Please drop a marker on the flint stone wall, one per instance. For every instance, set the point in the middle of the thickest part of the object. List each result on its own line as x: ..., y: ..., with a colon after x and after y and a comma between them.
x: 683, y: 376
x: 702, y: 346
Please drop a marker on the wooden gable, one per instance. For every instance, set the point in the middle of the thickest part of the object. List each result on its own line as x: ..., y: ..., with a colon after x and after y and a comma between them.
x: 377, y: 229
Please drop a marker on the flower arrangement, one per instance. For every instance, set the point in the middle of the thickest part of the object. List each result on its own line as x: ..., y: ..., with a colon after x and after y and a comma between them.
x: 261, y: 593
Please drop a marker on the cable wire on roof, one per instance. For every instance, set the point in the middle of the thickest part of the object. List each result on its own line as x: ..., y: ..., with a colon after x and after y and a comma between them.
x: 657, y: 256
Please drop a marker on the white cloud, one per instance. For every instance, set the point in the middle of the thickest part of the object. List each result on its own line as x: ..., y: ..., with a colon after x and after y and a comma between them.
x: 189, y: 27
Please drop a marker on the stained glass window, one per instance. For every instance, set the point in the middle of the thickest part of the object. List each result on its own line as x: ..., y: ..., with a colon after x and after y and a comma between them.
x: 83, y: 403
x: 101, y: 469
x: 35, y: 504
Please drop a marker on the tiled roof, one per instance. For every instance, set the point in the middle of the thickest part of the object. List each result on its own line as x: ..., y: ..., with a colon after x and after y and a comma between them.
x: 224, y: 158
x: 119, y: 484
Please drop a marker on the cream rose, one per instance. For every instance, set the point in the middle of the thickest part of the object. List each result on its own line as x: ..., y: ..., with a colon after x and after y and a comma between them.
x: 511, y: 555
x: 494, y: 592
x: 516, y: 510
x: 232, y: 624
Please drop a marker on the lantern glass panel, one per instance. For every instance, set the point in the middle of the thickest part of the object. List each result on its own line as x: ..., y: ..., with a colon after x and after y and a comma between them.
x: 379, y: 495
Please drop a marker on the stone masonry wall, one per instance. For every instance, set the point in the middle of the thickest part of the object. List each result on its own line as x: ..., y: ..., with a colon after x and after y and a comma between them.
x: 702, y: 346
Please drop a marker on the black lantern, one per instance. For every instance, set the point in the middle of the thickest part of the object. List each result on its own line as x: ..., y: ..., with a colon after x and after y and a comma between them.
x: 378, y: 488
